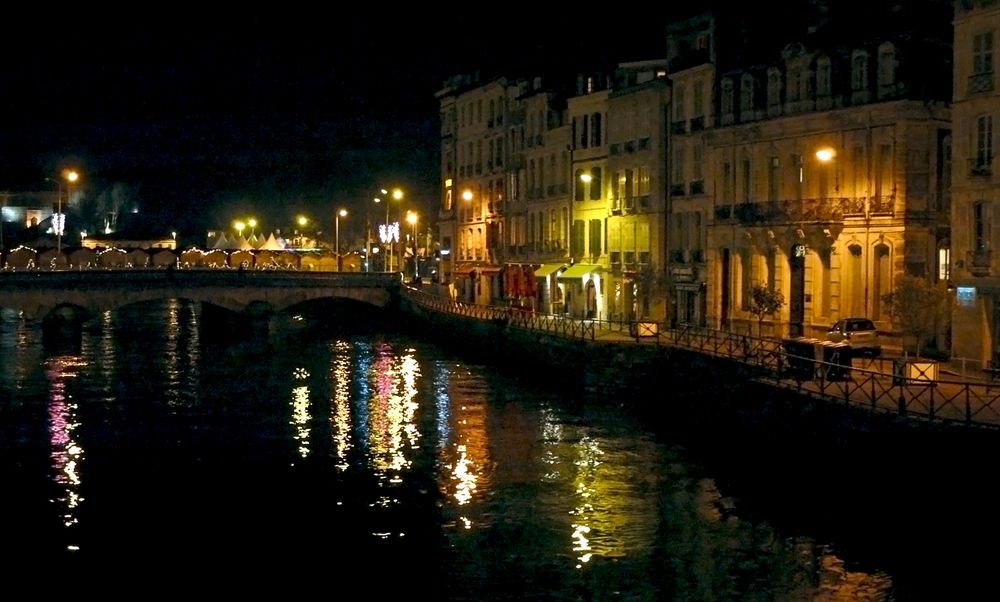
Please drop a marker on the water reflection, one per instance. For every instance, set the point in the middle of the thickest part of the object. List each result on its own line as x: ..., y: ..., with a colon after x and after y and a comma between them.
x: 65, y: 450
x: 340, y: 410
x: 392, y: 433
x: 525, y: 494
x: 300, y: 411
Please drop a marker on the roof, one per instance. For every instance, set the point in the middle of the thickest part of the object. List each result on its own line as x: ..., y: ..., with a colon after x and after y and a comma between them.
x: 579, y: 270
x: 548, y: 268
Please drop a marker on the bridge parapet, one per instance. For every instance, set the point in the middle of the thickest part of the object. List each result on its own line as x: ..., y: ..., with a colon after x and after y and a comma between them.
x: 38, y: 293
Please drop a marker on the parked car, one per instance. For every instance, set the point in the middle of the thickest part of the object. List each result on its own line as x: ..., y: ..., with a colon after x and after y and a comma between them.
x: 859, y: 333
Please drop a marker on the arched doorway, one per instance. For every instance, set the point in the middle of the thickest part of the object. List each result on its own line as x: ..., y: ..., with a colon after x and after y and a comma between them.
x: 591, y: 300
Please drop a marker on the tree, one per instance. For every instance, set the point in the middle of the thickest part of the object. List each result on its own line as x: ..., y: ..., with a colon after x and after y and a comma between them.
x: 919, y: 308
x: 653, y: 287
x: 764, y: 302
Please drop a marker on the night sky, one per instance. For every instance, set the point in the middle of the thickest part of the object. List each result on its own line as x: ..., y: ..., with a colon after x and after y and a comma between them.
x: 205, y: 120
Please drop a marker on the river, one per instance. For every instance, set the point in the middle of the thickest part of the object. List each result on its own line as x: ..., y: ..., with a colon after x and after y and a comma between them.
x: 373, y: 459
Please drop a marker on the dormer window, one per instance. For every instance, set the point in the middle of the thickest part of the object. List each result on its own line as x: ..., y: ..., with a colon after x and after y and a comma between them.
x: 859, y: 71
x: 727, y: 98
x: 886, y: 69
x: 746, y: 93
x: 823, y: 73
x: 773, y: 87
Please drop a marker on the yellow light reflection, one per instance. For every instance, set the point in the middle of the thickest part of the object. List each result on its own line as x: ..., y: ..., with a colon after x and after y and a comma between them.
x: 392, y: 432
x: 464, y: 477
x: 340, y: 416
x: 300, y: 412
x: 66, y: 453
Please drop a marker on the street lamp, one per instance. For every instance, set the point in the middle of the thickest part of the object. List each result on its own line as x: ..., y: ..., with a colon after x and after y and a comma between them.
x: 336, y: 219
x: 397, y: 195
x: 238, y: 225
x: 411, y: 218
x: 252, y: 222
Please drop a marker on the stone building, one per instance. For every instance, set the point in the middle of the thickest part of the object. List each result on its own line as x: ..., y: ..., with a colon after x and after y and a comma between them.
x: 975, y: 183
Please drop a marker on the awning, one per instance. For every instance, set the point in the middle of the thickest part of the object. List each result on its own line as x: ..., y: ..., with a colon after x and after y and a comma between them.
x: 489, y: 270
x: 464, y: 270
x: 547, y: 268
x: 579, y: 270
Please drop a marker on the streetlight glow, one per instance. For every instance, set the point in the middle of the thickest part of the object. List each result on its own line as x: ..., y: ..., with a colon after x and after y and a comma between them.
x: 336, y: 219
x: 825, y: 154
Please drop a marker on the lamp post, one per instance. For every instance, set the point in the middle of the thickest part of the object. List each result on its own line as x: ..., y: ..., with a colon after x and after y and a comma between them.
x: 59, y: 222
x: 397, y: 195
x: 411, y: 218
x: 336, y: 219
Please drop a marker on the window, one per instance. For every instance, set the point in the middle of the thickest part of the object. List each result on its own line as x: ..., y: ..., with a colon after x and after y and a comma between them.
x: 679, y: 113
x: 984, y: 140
x: 944, y: 263
x: 823, y: 77
x: 886, y: 67
x: 773, y: 178
x: 859, y: 71
x: 578, y: 185
x: 679, y: 165
x: 727, y: 182
x: 727, y: 97
x: 981, y: 218
x: 800, y: 175
x: 746, y: 180
x: 595, y: 184
x: 860, y: 168
x: 794, y: 75
x: 699, y: 99
x: 773, y: 87
x: 642, y: 182
x: 883, y: 171
x: 595, y: 129
x: 584, y: 138
x: 746, y: 93
x: 982, y: 53
x: 595, y: 238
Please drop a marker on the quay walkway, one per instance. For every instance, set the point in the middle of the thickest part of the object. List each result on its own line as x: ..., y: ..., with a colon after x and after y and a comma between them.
x: 923, y: 391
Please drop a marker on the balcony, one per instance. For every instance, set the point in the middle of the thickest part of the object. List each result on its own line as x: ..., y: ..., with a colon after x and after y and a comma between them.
x: 679, y: 127
x: 697, y: 123
x: 979, y: 262
x: 980, y: 82
x: 678, y: 189
x: 698, y: 187
x: 981, y: 167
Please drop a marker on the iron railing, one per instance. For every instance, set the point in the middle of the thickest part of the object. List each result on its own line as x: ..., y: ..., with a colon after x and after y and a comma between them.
x: 874, y: 384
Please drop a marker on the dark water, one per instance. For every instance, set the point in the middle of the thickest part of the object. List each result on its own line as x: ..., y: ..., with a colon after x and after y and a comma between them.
x: 374, y: 465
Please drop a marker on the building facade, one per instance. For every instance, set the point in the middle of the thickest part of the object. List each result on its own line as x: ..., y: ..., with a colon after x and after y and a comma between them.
x: 975, y: 183
x: 813, y: 160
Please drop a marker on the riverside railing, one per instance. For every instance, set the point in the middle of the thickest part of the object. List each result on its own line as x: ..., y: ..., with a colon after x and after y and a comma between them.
x: 873, y: 384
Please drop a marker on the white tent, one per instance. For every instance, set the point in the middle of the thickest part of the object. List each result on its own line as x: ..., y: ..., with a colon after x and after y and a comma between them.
x: 271, y: 244
x: 221, y: 243
x: 243, y: 244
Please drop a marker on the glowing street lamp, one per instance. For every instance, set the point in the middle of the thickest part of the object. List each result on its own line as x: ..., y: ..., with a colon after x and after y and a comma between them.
x: 238, y: 225
x: 411, y: 218
x: 336, y: 218
x: 252, y: 222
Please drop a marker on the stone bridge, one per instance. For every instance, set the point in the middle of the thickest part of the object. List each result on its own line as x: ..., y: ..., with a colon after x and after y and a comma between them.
x: 73, y: 297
